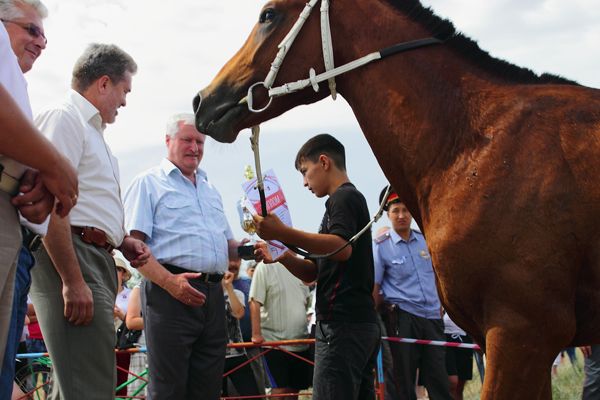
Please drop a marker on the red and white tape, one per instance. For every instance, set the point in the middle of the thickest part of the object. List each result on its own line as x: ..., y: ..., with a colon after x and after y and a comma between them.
x: 433, y: 342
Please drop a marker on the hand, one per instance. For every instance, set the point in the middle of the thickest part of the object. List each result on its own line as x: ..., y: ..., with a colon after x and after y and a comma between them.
x: 269, y: 227
x: 262, y: 253
x: 118, y: 313
x: 179, y: 287
x: 135, y: 251
x: 257, y: 339
x: 61, y: 180
x: 227, y: 279
x: 586, y: 350
x: 79, y: 303
x: 36, y: 202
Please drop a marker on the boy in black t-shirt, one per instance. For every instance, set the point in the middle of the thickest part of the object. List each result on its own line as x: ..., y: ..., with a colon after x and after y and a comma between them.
x: 348, y: 334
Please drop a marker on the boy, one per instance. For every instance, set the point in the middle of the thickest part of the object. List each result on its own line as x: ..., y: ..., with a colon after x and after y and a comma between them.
x: 347, y: 333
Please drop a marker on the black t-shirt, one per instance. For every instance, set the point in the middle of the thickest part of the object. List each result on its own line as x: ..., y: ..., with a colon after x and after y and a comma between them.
x: 345, y: 288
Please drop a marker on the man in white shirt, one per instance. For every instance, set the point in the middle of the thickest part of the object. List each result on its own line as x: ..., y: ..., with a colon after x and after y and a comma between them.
x: 75, y: 283
x: 179, y: 214
x: 278, y: 303
x: 21, y: 42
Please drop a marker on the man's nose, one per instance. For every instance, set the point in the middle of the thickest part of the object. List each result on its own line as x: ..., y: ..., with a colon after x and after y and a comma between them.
x: 40, y: 42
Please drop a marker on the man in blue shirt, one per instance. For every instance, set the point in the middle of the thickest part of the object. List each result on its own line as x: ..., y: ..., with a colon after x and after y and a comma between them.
x: 404, y: 275
x: 179, y: 214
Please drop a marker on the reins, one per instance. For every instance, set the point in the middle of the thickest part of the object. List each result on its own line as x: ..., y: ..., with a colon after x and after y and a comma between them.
x: 313, y: 80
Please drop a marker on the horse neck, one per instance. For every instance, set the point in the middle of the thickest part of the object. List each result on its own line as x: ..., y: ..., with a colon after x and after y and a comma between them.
x: 412, y: 107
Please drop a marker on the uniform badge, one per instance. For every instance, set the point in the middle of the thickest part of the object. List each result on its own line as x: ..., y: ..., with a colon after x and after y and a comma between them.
x: 424, y: 254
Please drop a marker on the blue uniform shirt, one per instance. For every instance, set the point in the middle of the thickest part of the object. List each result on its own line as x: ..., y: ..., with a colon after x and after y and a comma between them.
x: 185, y: 225
x: 403, y: 270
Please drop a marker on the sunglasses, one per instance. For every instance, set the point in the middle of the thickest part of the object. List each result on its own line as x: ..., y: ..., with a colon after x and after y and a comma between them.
x: 33, y: 30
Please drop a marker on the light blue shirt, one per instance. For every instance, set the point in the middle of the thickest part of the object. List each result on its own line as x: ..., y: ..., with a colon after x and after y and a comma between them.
x: 185, y: 225
x: 404, y: 272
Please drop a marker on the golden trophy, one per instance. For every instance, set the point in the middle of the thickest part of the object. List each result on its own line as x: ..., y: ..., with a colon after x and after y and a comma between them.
x: 247, y: 222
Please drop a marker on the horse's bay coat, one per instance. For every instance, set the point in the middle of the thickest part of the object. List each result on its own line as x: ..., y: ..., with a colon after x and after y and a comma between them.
x: 499, y: 167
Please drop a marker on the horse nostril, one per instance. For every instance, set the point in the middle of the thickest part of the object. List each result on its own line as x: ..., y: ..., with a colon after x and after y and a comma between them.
x: 197, y: 102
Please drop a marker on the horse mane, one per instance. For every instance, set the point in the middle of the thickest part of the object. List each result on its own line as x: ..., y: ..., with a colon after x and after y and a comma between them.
x: 444, y: 29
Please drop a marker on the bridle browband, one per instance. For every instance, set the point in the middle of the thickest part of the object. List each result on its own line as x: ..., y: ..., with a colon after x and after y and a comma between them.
x: 313, y: 80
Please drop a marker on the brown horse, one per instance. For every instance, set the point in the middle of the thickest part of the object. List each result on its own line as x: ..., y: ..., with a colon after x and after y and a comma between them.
x: 500, y: 168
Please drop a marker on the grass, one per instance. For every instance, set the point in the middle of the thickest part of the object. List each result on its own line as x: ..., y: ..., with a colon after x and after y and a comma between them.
x: 567, y: 385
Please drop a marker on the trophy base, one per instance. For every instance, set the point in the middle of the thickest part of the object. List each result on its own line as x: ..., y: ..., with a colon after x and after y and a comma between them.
x: 246, y: 252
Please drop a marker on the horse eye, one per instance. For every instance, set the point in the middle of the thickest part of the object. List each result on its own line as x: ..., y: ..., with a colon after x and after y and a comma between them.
x: 267, y: 16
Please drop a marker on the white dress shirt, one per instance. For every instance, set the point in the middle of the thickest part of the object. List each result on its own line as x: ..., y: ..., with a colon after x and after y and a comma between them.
x: 185, y: 224
x: 75, y: 128
x: 13, y: 80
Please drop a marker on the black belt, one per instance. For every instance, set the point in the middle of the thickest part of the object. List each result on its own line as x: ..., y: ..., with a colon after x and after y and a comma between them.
x: 206, y: 277
x: 31, y: 240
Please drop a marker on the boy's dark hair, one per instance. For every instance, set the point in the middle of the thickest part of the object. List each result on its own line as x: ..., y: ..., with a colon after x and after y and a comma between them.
x: 322, y: 144
x: 99, y: 60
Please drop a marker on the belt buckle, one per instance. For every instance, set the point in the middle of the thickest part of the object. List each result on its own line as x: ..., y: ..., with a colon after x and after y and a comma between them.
x: 206, y: 276
x: 35, y: 244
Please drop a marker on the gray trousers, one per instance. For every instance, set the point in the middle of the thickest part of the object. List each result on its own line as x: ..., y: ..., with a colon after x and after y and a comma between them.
x: 10, y: 245
x: 186, y: 345
x: 83, y: 357
x: 591, y: 385
x: 431, y: 360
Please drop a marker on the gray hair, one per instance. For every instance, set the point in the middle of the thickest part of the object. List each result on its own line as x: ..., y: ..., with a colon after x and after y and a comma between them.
x: 99, y: 60
x: 174, y: 120
x: 10, y: 10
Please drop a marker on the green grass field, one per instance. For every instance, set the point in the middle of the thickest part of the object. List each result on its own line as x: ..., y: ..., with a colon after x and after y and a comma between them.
x: 566, y: 386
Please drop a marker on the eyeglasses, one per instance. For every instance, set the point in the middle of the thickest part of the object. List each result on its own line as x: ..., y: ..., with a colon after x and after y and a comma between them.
x: 33, y: 30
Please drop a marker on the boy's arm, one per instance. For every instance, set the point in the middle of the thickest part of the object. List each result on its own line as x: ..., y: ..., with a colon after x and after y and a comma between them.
x: 271, y: 228
x: 305, y: 270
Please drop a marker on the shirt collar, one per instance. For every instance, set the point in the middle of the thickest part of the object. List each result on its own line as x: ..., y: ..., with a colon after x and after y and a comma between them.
x: 397, y: 238
x: 168, y: 167
x: 88, y: 110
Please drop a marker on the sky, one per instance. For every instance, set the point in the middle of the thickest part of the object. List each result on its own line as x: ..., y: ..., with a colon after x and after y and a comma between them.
x: 181, y: 45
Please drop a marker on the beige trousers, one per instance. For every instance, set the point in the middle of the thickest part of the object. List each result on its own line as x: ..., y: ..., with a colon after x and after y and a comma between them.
x: 83, y: 357
x: 10, y: 245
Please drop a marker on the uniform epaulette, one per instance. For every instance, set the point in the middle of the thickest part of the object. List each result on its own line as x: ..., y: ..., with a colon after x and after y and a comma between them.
x: 383, y: 237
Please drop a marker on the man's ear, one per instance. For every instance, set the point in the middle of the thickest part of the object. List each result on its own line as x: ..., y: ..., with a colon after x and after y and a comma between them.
x: 167, y: 139
x: 103, y: 83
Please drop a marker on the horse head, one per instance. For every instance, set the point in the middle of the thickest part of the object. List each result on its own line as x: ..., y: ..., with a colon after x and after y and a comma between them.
x: 220, y: 109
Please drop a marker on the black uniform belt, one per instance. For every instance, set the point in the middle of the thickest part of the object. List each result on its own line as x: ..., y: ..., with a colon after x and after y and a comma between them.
x: 206, y: 277
x: 31, y: 240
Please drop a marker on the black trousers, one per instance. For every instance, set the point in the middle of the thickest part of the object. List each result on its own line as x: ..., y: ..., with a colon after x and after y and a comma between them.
x: 430, y: 360
x: 186, y: 344
x: 243, y: 378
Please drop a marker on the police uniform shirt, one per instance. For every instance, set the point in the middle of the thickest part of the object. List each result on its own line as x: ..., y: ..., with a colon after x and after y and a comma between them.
x: 404, y: 272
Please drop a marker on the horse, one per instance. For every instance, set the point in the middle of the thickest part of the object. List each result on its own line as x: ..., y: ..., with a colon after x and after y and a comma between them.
x: 499, y: 167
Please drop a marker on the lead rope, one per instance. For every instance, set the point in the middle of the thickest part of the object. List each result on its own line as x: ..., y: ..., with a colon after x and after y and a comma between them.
x: 263, y: 203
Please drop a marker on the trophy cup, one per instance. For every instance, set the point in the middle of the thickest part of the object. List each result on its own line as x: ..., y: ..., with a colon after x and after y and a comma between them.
x: 246, y: 221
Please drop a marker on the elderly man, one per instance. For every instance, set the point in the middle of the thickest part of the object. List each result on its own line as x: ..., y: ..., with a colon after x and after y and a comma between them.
x: 75, y: 283
x: 21, y: 42
x: 179, y: 213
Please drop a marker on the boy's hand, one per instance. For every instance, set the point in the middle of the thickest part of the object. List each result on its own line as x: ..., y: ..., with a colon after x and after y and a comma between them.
x: 269, y: 227
x: 262, y: 253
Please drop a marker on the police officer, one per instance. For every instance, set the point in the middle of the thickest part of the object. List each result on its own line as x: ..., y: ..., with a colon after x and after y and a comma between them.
x: 404, y: 275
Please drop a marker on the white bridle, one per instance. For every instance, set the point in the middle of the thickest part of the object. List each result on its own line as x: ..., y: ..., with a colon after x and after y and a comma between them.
x: 330, y: 71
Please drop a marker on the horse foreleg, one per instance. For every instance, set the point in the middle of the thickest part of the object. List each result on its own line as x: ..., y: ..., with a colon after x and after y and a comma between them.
x: 547, y: 390
x: 518, y: 365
